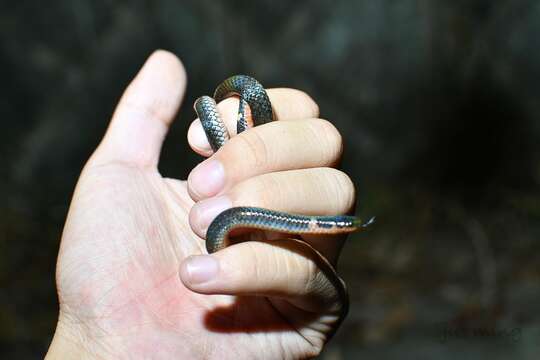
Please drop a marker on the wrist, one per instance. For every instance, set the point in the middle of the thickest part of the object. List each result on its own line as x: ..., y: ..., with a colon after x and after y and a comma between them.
x: 69, y: 342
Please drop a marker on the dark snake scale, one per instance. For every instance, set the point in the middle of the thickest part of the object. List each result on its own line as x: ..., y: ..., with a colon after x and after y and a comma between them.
x: 252, y: 93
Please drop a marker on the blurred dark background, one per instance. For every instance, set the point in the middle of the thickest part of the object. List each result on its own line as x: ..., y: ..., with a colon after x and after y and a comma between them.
x: 439, y: 105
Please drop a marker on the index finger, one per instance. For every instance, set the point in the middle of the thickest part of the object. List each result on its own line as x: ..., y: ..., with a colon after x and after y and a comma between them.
x: 288, y: 104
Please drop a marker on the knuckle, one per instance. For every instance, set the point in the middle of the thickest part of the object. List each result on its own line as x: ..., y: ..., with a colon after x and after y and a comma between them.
x: 154, y: 110
x: 343, y: 190
x: 262, y: 191
x: 270, y: 191
x: 251, y: 148
x: 257, y: 263
x: 311, y: 106
x: 332, y: 141
x: 311, y: 276
x: 269, y: 268
x: 294, y: 270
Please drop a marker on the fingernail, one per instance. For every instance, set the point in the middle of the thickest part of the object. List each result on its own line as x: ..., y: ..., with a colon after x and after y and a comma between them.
x: 207, y: 179
x: 198, y: 138
x: 201, y: 269
x: 203, y: 212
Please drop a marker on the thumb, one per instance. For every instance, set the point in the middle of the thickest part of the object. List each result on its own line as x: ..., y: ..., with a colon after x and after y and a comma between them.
x: 144, y: 113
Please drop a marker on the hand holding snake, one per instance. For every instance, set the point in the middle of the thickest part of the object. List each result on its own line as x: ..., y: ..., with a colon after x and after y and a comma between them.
x: 130, y: 231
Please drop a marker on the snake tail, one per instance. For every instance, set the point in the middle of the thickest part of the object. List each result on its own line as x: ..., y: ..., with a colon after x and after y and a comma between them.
x: 264, y: 219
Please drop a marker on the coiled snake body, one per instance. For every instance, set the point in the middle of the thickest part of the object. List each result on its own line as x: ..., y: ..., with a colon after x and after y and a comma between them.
x: 253, y: 94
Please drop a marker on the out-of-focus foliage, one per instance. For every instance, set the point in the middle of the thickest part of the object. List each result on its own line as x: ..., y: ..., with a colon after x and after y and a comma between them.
x: 439, y: 106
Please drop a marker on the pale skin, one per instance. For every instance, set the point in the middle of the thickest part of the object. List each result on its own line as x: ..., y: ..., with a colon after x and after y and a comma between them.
x: 133, y: 276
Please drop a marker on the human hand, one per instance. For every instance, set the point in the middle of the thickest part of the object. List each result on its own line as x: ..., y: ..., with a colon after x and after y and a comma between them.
x: 132, y: 275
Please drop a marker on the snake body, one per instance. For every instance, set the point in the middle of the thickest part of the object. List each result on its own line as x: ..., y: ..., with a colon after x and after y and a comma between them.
x: 252, y: 93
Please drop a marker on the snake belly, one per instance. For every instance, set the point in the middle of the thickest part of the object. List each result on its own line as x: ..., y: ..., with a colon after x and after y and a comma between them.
x: 252, y: 94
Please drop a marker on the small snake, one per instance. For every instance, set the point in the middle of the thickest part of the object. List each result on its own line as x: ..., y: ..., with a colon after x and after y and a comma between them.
x: 253, y: 94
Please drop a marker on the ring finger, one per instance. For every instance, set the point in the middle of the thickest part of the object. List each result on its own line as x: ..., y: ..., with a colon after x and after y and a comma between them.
x: 318, y: 191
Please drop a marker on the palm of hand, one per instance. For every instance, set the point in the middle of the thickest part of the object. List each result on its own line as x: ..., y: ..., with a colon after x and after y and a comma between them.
x: 126, y: 234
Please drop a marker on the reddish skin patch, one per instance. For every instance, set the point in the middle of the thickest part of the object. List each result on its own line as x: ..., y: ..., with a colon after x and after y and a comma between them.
x: 146, y: 308
x: 335, y: 230
x: 126, y: 235
x: 249, y: 117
